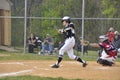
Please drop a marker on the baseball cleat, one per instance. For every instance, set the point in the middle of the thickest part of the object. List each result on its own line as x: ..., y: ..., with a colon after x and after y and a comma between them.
x: 84, y: 64
x: 55, y: 66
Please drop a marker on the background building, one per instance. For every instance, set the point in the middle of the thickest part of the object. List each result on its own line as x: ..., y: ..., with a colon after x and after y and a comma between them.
x: 5, y: 23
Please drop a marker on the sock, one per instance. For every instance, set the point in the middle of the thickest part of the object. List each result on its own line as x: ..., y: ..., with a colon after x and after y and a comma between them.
x: 59, y: 59
x: 79, y: 60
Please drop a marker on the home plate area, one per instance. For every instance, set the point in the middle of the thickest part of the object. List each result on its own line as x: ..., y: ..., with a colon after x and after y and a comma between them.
x: 68, y: 69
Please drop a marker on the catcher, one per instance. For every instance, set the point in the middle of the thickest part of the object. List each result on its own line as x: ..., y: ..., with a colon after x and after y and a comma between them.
x: 107, y: 52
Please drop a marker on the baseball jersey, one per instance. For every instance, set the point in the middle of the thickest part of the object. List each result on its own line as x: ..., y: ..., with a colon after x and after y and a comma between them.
x: 109, y: 49
x: 69, y: 31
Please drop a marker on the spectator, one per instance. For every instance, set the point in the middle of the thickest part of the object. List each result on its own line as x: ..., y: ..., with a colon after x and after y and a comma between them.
x: 116, y: 41
x: 31, y: 43
x: 85, y: 44
x: 38, y: 42
x: 110, y: 34
x: 79, y: 46
x: 38, y: 45
x: 47, y: 45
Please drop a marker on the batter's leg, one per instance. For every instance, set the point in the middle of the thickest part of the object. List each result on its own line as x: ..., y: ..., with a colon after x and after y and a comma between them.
x: 72, y: 56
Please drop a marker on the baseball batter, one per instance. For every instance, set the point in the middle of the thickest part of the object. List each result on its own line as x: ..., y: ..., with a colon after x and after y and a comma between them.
x: 69, y: 35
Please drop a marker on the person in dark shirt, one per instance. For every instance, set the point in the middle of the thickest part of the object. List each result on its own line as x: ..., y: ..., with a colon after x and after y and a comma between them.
x: 116, y: 41
x: 31, y: 43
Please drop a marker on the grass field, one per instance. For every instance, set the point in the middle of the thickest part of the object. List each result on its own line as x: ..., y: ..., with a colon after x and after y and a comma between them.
x: 33, y: 78
x: 8, y: 56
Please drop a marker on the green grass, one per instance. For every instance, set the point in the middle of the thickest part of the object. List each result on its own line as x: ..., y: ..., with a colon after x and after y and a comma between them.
x: 32, y: 56
x: 34, y: 78
x: 92, y: 56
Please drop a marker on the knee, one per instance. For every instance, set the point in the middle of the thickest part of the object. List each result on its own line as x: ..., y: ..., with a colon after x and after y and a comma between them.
x: 71, y: 56
x: 61, y: 50
x: 100, y: 61
x: 104, y: 62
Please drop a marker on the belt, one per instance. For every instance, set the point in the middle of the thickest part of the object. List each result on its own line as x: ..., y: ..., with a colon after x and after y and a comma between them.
x: 69, y: 37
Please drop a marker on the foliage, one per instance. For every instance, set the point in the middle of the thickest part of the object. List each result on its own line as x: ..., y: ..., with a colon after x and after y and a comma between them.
x: 49, y: 10
x: 109, y: 8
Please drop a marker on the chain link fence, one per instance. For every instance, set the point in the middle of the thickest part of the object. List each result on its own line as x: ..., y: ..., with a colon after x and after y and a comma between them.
x: 93, y: 27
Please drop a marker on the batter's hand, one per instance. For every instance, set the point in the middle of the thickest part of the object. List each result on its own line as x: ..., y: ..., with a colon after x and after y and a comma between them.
x: 60, y: 31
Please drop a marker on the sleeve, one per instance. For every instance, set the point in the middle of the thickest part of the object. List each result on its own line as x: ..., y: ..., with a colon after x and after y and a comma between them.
x: 101, y: 45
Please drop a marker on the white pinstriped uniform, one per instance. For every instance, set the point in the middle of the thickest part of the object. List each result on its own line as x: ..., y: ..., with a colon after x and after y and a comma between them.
x: 69, y: 35
x: 69, y: 43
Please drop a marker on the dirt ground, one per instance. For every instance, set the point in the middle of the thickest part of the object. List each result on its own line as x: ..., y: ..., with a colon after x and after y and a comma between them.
x: 68, y: 69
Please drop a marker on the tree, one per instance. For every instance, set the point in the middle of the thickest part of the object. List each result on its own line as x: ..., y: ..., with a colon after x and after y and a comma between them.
x: 47, y: 9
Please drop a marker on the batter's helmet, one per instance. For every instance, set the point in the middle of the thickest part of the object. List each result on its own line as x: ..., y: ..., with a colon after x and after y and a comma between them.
x: 67, y: 19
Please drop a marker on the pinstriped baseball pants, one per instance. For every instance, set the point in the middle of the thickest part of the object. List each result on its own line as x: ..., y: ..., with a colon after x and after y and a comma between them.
x: 68, y: 47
